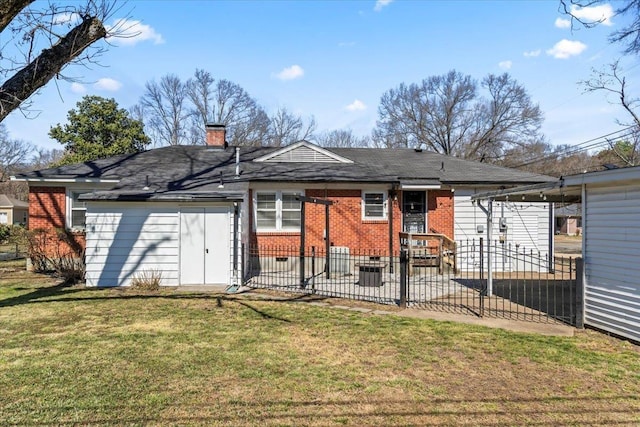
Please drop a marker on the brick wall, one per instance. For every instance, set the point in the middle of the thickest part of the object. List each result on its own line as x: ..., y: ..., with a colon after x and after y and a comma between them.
x: 440, y: 212
x: 47, y: 207
x: 346, y: 226
x: 47, y: 211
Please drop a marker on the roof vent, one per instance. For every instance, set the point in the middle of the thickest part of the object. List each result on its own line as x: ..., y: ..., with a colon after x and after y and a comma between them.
x: 418, y: 150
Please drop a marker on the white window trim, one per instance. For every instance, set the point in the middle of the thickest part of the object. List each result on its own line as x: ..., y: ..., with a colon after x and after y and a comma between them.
x: 70, y: 209
x: 384, y: 205
x: 278, y: 227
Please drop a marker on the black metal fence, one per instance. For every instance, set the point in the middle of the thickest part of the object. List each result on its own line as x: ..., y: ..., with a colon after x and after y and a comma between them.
x: 521, y: 284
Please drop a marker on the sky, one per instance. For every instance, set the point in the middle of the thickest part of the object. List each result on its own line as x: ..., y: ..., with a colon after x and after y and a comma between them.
x: 333, y: 60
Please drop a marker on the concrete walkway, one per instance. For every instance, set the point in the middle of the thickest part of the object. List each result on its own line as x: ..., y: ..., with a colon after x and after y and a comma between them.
x: 550, y: 329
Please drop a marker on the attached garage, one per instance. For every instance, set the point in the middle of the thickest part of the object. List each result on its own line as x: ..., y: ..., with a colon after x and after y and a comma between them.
x: 187, y: 244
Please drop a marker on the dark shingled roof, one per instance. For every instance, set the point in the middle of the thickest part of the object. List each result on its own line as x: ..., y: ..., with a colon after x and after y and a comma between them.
x: 196, y: 171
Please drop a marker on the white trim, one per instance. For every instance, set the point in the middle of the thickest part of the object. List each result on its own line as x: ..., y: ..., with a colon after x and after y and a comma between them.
x: 385, y: 209
x: 420, y: 187
x: 604, y: 177
x: 306, y: 144
x: 278, y: 193
x: 68, y: 180
x: 69, y: 207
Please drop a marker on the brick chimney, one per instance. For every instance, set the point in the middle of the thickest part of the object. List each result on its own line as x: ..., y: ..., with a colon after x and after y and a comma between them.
x: 216, y: 135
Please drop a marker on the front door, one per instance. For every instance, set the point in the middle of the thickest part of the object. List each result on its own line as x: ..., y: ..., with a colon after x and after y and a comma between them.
x: 414, y: 218
x: 205, y: 246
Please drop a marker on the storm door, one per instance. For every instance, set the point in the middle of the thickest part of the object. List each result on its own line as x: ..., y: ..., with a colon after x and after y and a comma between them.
x: 414, y: 208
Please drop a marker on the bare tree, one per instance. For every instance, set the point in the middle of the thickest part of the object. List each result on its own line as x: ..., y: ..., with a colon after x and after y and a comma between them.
x: 544, y: 158
x: 14, y: 154
x: 628, y: 36
x: 286, y: 128
x: 165, y: 110
x: 341, y: 138
x: 613, y: 82
x: 505, y: 119
x: 46, y: 43
x: 44, y: 158
x: 225, y: 102
x: 445, y: 114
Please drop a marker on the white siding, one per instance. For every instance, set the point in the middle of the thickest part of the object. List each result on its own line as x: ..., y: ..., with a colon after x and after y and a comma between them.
x: 611, y: 219
x: 527, y: 227
x: 124, y: 239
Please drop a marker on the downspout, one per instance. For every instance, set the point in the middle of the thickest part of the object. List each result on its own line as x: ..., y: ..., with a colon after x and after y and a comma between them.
x: 237, y: 162
x: 489, y: 243
x: 489, y: 212
x: 552, y: 248
x: 391, y: 196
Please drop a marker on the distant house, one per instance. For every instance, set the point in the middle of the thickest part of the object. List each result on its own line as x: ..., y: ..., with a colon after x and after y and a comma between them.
x: 13, y: 211
x: 568, y: 219
x: 187, y: 211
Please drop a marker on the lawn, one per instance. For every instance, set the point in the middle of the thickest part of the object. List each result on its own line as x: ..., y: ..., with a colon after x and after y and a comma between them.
x: 71, y: 355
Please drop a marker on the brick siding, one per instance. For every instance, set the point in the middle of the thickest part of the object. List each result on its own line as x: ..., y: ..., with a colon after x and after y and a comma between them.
x: 347, y: 228
x: 47, y: 211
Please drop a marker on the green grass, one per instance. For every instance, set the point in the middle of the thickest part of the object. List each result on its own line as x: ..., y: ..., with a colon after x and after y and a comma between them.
x: 71, y: 355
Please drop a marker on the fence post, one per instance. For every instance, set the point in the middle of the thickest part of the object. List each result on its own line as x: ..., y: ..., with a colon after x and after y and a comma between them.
x: 313, y: 269
x: 483, y: 286
x: 403, y: 278
x: 579, y: 294
x: 242, y: 260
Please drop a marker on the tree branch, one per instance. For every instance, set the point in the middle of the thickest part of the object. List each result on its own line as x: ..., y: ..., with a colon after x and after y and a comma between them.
x: 49, y: 63
x: 9, y: 9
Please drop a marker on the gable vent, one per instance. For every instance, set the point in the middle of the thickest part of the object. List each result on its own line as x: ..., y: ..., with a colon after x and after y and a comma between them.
x: 304, y: 155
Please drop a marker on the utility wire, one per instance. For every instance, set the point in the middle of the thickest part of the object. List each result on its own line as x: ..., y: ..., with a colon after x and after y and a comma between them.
x: 581, y: 147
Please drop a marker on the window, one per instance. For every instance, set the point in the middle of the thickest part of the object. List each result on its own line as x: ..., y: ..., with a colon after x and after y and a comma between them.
x: 77, y: 211
x: 374, y: 205
x: 277, y: 210
x: 266, y: 211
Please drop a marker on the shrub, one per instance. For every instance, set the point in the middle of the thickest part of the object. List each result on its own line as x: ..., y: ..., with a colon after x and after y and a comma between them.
x: 56, y: 251
x: 147, y: 280
x: 5, y: 232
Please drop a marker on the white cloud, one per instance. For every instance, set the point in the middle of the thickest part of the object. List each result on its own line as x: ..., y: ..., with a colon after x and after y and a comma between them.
x: 562, y: 23
x: 78, y: 88
x: 66, y: 18
x: 380, y: 4
x: 566, y: 48
x: 108, y: 84
x: 290, y: 73
x: 346, y: 44
x: 601, y: 13
x: 532, y: 53
x: 356, y: 105
x: 505, y: 65
x: 131, y: 32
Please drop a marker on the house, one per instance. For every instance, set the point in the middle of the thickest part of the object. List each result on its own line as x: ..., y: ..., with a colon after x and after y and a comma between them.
x: 610, y: 206
x: 13, y: 211
x: 186, y: 211
x: 568, y: 219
